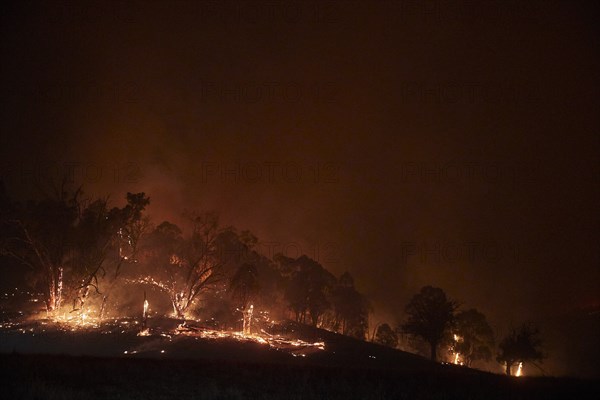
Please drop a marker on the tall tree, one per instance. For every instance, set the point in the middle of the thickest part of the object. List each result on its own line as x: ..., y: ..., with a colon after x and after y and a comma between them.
x: 474, y: 337
x: 430, y: 313
x: 244, y: 265
x: 184, y: 266
x: 105, y: 239
x: 522, y: 344
x: 244, y: 285
x: 308, y: 288
x: 351, y: 308
x: 40, y: 235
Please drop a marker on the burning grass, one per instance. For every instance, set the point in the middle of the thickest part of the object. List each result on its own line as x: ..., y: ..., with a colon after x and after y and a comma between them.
x: 162, y: 358
x: 156, y: 337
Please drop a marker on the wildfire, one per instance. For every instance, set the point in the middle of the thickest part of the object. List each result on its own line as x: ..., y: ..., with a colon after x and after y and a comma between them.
x: 457, y: 339
x: 88, y: 320
x: 144, y: 332
x: 247, y: 327
x: 296, y: 347
x: 520, y: 370
x: 75, y: 322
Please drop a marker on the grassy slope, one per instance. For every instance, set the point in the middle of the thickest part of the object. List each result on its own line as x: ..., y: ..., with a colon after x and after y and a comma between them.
x: 65, y: 377
x: 228, y: 369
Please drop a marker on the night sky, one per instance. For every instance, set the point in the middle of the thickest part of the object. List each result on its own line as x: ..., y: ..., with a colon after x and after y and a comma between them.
x: 445, y: 143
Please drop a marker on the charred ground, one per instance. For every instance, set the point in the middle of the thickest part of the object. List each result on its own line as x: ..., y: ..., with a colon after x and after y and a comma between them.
x: 226, y: 368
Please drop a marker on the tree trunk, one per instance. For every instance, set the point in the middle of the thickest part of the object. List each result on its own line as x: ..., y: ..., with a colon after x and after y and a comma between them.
x: 178, y: 310
x: 102, y: 308
x: 55, y: 287
x: 508, y: 366
x: 433, y: 351
x: 315, y: 319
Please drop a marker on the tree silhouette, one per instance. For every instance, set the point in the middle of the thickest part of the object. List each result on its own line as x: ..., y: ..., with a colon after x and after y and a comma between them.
x: 522, y: 344
x: 41, y: 238
x: 244, y: 285
x: 430, y: 313
x: 238, y: 251
x: 105, y: 238
x: 386, y: 336
x: 185, y: 266
x: 65, y: 240
x: 474, y: 336
x: 308, y: 288
x: 351, y: 308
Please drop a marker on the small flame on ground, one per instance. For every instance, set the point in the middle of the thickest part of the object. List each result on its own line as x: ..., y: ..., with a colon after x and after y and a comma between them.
x: 520, y: 370
x: 145, y: 332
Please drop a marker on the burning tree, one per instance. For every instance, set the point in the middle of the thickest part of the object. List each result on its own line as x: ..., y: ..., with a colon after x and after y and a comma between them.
x: 430, y: 314
x: 185, y: 265
x: 39, y: 234
x: 244, y: 285
x: 473, y: 337
x: 520, y: 345
x: 106, y: 238
x: 65, y: 240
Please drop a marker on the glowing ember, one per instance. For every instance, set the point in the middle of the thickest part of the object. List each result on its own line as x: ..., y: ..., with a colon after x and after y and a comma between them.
x: 88, y: 320
x: 296, y: 347
x: 145, y: 332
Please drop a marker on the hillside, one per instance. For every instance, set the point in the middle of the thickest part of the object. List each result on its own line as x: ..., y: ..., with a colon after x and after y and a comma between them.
x: 295, y: 362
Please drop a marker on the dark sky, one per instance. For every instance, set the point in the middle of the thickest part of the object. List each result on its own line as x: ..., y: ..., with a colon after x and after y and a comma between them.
x: 444, y: 143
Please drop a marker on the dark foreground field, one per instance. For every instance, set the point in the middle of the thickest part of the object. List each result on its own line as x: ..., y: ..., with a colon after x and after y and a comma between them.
x: 68, y: 377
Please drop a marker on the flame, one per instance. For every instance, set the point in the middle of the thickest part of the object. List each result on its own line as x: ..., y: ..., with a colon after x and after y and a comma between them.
x: 457, y: 339
x: 89, y: 319
x: 144, y: 332
x: 297, y: 347
x: 247, y: 327
x: 520, y: 370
